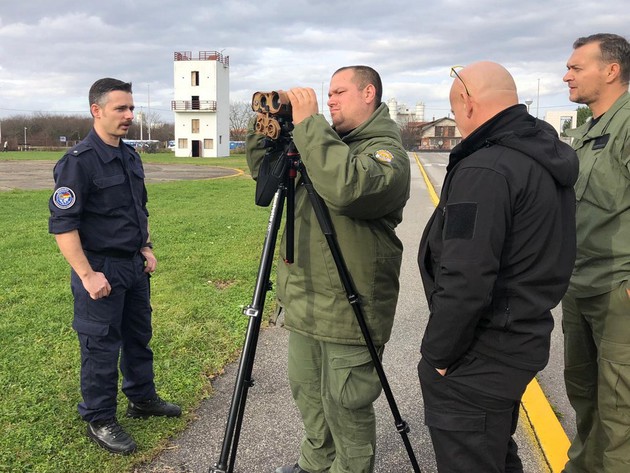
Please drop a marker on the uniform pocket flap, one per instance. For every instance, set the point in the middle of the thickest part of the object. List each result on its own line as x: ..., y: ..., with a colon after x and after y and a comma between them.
x: 88, y: 327
x: 351, y: 359
x: 109, y: 181
x: 455, y: 421
x: 614, y: 352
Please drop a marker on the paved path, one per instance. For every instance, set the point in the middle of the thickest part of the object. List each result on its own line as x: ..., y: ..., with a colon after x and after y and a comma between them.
x: 32, y: 175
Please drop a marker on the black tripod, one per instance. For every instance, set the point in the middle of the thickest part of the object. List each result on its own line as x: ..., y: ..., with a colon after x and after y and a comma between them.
x: 285, y: 173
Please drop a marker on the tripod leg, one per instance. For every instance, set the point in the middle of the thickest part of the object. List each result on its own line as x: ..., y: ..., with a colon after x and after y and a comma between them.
x: 254, y: 312
x: 323, y: 217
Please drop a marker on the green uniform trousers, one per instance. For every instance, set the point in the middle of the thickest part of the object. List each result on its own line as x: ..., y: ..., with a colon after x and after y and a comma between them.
x: 597, y: 376
x: 334, y: 387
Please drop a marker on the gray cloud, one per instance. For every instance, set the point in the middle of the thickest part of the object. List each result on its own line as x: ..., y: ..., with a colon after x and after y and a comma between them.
x: 51, y: 52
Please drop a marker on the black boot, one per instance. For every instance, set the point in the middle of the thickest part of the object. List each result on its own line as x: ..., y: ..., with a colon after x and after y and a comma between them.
x: 153, y: 407
x: 110, y: 435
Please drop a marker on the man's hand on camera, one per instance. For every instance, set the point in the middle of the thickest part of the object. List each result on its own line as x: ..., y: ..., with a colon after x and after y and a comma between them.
x: 303, y: 102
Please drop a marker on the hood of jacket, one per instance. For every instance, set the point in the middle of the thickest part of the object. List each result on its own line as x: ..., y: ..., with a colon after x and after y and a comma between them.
x: 516, y: 129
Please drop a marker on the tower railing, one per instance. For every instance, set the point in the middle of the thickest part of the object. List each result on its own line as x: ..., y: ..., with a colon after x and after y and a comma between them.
x: 194, y: 105
x: 202, y: 56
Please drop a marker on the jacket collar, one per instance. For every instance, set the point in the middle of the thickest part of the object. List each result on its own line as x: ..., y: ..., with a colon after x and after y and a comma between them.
x: 584, y: 133
x: 104, y: 151
x: 502, y: 122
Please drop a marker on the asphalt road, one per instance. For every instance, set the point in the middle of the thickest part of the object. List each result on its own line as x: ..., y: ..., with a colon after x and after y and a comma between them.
x: 33, y: 175
x: 272, y: 428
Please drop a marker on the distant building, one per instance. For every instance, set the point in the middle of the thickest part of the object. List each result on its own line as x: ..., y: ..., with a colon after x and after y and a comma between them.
x: 401, y: 114
x: 439, y: 135
x: 201, y: 104
x: 559, y: 119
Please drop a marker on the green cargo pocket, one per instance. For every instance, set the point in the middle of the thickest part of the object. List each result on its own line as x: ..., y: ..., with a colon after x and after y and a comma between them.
x: 613, y: 386
x: 354, y: 383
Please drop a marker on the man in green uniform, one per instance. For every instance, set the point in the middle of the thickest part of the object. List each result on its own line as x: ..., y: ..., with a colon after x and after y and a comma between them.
x: 360, y: 169
x: 596, y: 308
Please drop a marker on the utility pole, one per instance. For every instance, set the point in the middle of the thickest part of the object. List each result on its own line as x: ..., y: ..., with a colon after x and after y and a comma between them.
x: 140, y: 117
x: 538, y: 98
x: 149, y: 108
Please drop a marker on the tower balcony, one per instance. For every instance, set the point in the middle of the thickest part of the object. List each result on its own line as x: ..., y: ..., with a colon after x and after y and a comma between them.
x: 202, y: 56
x: 194, y: 105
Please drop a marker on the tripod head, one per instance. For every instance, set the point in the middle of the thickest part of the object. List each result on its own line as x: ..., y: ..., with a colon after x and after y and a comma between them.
x: 274, y: 119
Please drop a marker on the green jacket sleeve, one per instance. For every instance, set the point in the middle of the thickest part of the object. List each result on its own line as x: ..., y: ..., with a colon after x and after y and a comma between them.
x: 254, y: 149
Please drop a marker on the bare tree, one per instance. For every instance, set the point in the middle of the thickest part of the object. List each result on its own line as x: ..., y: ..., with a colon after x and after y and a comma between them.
x: 410, y: 134
x: 240, y: 115
x: 51, y: 131
x: 153, y: 127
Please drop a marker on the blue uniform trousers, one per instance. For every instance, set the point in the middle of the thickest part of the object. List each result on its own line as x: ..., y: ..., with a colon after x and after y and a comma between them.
x: 112, y: 330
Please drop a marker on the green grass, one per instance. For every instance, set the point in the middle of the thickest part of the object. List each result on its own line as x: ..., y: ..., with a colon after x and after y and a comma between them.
x: 208, y: 237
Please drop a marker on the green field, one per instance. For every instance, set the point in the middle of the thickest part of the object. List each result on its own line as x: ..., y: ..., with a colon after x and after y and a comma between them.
x: 208, y: 237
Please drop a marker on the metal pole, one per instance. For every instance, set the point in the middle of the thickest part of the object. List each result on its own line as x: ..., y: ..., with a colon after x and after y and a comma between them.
x: 140, y: 117
x: 538, y: 98
x: 149, y: 107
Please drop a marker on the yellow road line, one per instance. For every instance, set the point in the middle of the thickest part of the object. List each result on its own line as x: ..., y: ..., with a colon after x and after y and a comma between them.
x: 550, y: 435
x: 432, y: 193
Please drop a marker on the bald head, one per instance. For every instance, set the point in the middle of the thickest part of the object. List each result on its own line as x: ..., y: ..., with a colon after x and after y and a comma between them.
x: 491, y: 89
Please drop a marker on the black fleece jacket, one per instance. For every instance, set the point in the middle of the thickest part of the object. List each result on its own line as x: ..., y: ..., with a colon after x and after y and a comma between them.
x: 498, y: 252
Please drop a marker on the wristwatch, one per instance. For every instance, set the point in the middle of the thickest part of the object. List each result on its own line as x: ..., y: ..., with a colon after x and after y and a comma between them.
x: 148, y: 245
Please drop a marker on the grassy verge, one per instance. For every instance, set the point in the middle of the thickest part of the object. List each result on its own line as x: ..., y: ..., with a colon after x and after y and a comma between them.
x: 208, y: 238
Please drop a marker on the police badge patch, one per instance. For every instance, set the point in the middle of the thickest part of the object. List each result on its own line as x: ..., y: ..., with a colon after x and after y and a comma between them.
x: 384, y: 156
x: 64, y: 198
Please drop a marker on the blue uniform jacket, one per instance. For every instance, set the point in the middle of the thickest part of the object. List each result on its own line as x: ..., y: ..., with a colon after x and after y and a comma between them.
x: 100, y: 191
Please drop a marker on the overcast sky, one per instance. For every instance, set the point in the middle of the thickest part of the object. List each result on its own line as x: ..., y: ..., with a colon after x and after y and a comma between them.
x: 51, y: 51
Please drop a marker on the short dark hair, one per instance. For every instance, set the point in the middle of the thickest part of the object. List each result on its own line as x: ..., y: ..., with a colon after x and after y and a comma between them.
x: 614, y: 48
x: 364, y: 76
x: 102, y: 87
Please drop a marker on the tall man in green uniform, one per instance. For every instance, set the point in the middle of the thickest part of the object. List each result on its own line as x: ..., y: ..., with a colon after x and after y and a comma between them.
x: 596, y: 308
x: 360, y: 169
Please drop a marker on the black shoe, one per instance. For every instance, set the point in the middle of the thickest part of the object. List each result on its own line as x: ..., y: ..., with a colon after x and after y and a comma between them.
x: 153, y: 407
x: 110, y: 435
x: 290, y: 469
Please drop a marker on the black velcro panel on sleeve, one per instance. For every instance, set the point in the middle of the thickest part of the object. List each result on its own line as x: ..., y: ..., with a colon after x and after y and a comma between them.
x: 460, y: 220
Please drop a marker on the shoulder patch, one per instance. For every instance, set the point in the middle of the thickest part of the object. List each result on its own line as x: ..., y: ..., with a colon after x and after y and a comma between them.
x: 384, y: 156
x: 64, y: 198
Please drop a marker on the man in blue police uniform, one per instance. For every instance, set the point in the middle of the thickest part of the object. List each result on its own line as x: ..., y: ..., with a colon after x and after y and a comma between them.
x: 99, y: 218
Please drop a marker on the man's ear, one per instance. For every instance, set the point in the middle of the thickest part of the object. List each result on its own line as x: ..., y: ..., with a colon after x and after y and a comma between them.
x: 612, y: 72
x: 369, y: 93
x: 96, y: 110
x: 468, y: 104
